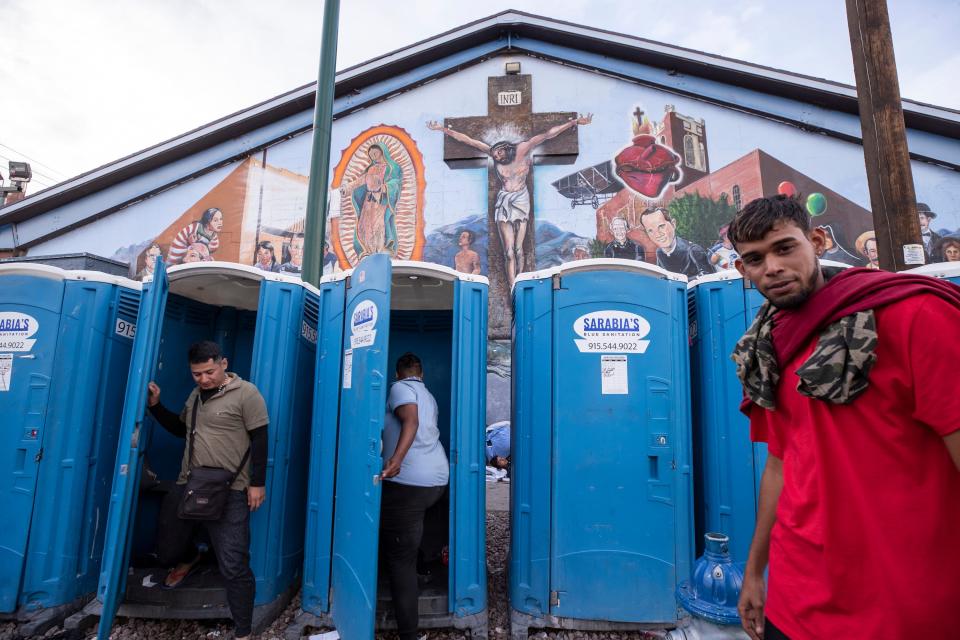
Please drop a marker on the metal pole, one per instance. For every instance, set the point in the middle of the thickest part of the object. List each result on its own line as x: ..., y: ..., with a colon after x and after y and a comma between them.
x: 885, y: 152
x: 317, y: 196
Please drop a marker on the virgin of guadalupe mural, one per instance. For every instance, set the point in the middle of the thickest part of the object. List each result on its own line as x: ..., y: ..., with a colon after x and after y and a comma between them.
x: 374, y: 196
x: 380, y: 184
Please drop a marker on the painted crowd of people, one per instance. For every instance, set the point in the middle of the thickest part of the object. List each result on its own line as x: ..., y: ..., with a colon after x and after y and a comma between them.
x: 200, y: 240
x: 679, y: 255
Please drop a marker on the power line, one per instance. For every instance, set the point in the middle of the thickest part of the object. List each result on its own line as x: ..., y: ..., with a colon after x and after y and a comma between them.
x: 33, y: 160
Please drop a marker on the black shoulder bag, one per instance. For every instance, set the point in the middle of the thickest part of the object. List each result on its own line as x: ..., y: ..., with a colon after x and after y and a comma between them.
x: 205, y: 496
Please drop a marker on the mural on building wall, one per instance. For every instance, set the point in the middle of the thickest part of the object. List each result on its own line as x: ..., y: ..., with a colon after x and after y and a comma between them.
x: 461, y: 245
x: 643, y: 185
x: 508, y: 141
x: 672, y: 210
x: 379, y: 187
x: 652, y: 177
x: 256, y: 215
x: 209, y: 229
x: 652, y: 196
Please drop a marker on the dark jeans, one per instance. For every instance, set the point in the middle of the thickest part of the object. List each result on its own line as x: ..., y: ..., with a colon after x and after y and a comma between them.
x: 402, y: 509
x: 770, y: 632
x: 230, y: 539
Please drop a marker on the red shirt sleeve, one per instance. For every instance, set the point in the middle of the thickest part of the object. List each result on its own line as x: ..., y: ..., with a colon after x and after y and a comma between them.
x: 762, y: 431
x: 934, y: 352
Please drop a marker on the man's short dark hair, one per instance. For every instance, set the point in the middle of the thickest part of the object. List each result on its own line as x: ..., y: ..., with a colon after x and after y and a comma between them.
x: 653, y: 210
x: 200, y: 352
x: 470, y: 234
x: 409, y: 362
x: 756, y: 219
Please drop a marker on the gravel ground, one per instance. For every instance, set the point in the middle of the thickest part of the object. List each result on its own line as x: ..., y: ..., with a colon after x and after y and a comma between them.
x: 498, y: 536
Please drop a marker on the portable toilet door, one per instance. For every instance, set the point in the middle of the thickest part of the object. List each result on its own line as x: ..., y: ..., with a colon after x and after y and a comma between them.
x: 386, y: 309
x: 318, y: 545
x: 65, y: 343
x: 356, y: 528
x: 267, y: 326
x: 601, y: 530
x: 126, y: 474
x: 30, y: 314
x: 727, y: 465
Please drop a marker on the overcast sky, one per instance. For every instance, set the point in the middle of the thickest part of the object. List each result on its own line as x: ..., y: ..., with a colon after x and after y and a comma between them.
x: 86, y: 82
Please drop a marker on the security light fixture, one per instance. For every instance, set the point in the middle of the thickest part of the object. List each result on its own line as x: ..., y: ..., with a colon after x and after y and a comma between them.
x: 19, y: 175
x: 20, y: 172
x: 511, y: 68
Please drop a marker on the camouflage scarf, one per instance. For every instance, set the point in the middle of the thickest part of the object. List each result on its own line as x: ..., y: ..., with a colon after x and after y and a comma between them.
x: 841, y: 316
x: 835, y: 372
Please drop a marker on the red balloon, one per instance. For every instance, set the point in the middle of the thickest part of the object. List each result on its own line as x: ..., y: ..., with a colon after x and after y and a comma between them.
x: 787, y: 189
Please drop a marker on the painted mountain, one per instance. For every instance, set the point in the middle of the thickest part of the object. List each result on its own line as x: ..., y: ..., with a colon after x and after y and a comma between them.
x: 554, y: 245
x: 442, y: 246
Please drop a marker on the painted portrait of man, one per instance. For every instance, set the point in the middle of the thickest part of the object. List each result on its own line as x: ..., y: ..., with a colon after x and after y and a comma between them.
x: 673, y: 252
x: 621, y: 246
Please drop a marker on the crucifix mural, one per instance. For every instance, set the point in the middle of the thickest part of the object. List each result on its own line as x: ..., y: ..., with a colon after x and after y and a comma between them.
x: 511, y: 139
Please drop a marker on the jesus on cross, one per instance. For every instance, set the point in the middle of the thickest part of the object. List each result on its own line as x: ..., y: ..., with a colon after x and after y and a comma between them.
x: 513, y: 161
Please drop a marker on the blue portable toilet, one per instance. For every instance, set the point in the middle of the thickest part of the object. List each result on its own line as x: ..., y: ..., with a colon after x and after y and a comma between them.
x: 267, y: 326
x: 65, y: 344
x: 368, y: 318
x: 946, y: 270
x: 601, y: 493
x: 728, y: 466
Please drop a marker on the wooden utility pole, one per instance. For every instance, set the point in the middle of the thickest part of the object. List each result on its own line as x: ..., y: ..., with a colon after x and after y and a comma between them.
x: 892, y: 197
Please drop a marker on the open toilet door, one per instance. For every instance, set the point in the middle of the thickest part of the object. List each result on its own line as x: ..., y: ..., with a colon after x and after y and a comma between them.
x: 323, y: 449
x: 467, y: 469
x: 363, y: 397
x: 126, y: 474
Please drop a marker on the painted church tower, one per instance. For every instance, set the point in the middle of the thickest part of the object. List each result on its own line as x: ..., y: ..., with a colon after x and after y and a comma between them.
x: 688, y: 138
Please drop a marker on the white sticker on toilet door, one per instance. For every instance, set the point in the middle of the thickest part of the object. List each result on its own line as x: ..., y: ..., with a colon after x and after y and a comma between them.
x: 613, y: 375
x: 6, y: 371
x: 348, y: 369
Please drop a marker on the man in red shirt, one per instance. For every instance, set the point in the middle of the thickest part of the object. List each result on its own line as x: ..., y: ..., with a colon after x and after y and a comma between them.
x: 850, y: 378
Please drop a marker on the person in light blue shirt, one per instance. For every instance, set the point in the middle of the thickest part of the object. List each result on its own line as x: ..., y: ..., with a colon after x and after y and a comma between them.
x: 498, y: 445
x: 415, y: 473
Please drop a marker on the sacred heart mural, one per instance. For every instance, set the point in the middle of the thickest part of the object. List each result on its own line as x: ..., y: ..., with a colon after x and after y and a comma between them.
x: 377, y: 197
